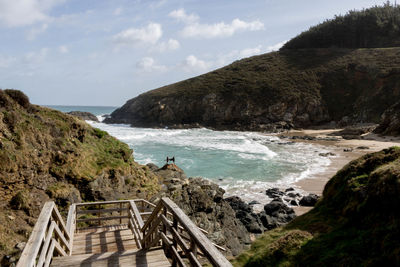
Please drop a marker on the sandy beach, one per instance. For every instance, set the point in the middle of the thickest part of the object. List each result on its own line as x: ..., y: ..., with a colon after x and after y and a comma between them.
x: 344, y: 151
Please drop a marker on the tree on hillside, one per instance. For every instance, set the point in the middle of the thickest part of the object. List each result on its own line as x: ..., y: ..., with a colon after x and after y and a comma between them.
x: 378, y: 26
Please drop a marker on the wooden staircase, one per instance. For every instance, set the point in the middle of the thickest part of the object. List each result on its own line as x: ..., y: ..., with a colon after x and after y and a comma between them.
x: 119, y: 233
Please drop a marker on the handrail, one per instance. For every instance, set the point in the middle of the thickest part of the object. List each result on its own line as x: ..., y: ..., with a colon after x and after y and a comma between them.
x: 159, y: 228
x: 49, y: 236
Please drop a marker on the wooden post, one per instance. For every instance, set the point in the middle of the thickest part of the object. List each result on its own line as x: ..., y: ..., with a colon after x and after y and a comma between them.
x: 120, y: 213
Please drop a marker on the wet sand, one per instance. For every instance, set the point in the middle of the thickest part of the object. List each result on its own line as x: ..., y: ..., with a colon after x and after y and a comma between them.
x: 370, y: 143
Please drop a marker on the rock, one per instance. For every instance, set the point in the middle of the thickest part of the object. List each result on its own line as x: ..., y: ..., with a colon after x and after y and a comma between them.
x: 281, y: 213
x: 87, y: 116
x: 289, y: 189
x: 362, y: 147
x: 254, y: 202
x: 293, y: 202
x: 20, y: 246
x: 153, y: 167
x: 327, y: 154
x: 203, y: 202
x: 292, y: 195
x: 390, y: 121
x: 274, y: 192
x: 347, y: 150
x: 309, y: 201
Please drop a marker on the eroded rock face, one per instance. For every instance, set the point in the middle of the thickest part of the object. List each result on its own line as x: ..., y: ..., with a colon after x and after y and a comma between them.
x: 87, y: 116
x: 203, y: 202
x: 390, y: 122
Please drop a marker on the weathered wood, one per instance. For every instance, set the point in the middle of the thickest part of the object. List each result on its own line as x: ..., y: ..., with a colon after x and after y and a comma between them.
x: 50, y: 255
x: 152, y: 216
x: 59, y: 220
x: 137, y: 214
x: 173, y: 250
x: 45, y: 249
x: 102, y: 218
x: 60, y: 235
x: 58, y: 248
x: 33, y: 245
x: 210, y: 251
x: 101, y: 203
x: 100, y: 211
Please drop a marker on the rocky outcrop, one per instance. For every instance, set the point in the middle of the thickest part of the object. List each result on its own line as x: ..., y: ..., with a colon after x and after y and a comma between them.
x: 48, y: 155
x: 390, y: 122
x: 203, y: 202
x: 275, y: 92
x: 86, y: 116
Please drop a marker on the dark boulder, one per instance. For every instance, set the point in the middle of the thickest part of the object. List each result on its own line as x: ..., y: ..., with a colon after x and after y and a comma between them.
x: 87, y: 116
x: 279, y: 211
x: 309, y: 201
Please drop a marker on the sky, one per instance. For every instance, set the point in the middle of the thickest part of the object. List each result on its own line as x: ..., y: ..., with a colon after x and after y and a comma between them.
x: 104, y: 52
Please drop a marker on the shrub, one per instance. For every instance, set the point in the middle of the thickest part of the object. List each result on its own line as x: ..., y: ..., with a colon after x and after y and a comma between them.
x: 18, y: 97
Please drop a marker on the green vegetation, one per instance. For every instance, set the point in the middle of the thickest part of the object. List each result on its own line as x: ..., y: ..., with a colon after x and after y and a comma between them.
x: 357, y: 222
x: 46, y: 154
x: 378, y: 26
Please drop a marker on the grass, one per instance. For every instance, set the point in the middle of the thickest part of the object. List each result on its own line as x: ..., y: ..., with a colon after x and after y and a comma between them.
x: 356, y: 223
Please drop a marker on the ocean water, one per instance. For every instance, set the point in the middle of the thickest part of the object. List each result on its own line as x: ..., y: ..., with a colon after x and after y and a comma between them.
x: 243, y: 163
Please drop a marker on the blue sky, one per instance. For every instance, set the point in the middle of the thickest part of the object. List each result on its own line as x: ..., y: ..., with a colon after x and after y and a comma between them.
x: 104, y: 52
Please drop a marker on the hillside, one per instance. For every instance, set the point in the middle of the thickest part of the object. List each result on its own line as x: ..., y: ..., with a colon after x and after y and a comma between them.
x: 46, y: 154
x: 378, y: 26
x: 292, y: 87
x: 357, y: 222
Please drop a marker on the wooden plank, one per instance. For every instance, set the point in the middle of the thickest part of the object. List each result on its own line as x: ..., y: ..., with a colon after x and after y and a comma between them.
x: 211, y: 252
x: 100, y: 210
x: 101, y: 203
x: 59, y: 249
x: 71, y: 223
x: 102, y: 218
x: 62, y: 238
x: 50, y: 255
x: 33, y: 245
x: 137, y: 214
x: 171, y: 248
x: 59, y: 220
x: 152, y: 216
x: 45, y: 250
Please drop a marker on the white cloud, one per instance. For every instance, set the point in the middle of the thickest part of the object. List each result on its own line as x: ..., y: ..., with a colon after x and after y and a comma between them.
x: 148, y: 64
x: 275, y: 47
x: 221, y: 29
x: 16, y: 13
x: 149, y: 34
x: 248, y: 52
x: 180, y: 15
x: 31, y: 35
x: 117, y: 11
x: 63, y: 49
x: 158, y: 4
x: 192, y: 63
x: 171, y: 44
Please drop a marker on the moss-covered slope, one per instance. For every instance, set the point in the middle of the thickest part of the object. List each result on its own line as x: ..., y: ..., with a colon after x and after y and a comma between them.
x: 45, y: 154
x: 357, y: 222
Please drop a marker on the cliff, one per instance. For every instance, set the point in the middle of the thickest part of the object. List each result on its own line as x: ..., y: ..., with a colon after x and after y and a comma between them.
x: 45, y: 154
x: 356, y: 223
x: 289, y: 88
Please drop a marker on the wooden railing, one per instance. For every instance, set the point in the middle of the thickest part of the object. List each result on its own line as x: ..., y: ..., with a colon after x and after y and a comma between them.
x: 49, y: 237
x: 180, y: 237
x: 152, y: 225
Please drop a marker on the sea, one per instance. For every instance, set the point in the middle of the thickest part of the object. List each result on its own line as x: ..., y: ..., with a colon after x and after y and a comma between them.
x: 242, y: 163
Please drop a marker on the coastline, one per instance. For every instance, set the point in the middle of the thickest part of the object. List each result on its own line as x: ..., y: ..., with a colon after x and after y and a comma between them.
x: 370, y: 143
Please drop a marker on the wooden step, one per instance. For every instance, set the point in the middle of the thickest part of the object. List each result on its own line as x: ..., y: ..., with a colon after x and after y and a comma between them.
x: 101, y: 240
x: 141, y: 258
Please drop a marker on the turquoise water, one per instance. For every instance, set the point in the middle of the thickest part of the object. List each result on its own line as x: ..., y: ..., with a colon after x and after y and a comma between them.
x: 96, y: 110
x: 243, y: 163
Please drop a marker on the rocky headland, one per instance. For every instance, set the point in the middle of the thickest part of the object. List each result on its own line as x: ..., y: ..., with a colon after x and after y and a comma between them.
x: 86, y: 116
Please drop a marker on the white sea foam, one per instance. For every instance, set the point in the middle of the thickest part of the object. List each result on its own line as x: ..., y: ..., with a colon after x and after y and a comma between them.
x: 247, y: 162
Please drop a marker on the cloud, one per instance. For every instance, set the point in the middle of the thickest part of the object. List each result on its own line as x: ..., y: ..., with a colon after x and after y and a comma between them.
x: 117, y: 11
x: 17, y: 13
x: 171, y: 44
x: 275, y: 47
x: 149, y: 34
x: 192, y: 63
x: 63, y: 49
x: 148, y: 64
x: 31, y: 35
x: 221, y: 29
x: 180, y: 15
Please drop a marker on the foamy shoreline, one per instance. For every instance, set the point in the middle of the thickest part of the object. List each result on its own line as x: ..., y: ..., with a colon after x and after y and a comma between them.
x: 316, y: 183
